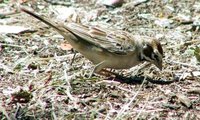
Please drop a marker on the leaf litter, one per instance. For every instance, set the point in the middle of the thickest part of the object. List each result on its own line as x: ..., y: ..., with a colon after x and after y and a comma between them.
x: 55, y: 84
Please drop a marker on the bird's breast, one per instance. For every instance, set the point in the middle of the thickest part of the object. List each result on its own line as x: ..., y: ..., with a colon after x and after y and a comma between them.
x: 123, y: 61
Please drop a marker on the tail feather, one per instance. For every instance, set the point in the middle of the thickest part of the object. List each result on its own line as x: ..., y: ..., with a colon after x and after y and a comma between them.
x: 43, y: 19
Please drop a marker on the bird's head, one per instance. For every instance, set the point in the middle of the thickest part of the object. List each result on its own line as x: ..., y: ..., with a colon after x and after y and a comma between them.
x: 152, y: 52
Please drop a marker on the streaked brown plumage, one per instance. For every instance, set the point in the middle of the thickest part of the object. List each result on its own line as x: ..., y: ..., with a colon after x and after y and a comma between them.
x: 107, y: 48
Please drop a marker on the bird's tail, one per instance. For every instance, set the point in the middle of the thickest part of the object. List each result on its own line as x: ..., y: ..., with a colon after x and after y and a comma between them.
x: 43, y: 19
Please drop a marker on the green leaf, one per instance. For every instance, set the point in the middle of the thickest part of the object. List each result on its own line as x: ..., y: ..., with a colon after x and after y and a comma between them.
x: 197, y: 53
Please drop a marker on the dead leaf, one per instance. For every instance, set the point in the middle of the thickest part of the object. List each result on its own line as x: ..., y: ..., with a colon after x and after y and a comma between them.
x: 21, y: 96
x: 65, y: 46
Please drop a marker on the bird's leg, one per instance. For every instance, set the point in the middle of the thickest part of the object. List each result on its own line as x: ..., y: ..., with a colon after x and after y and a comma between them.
x: 97, y: 68
x: 73, y: 58
x: 107, y: 73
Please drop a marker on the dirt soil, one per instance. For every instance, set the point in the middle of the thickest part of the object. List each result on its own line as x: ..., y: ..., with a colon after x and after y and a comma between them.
x: 41, y: 79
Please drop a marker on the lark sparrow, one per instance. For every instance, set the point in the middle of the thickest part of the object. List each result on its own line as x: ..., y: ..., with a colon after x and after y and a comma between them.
x: 107, y: 48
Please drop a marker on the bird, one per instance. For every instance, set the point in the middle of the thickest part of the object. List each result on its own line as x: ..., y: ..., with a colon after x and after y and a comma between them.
x: 107, y: 48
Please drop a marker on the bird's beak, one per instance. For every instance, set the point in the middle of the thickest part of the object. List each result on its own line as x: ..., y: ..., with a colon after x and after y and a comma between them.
x: 158, y: 65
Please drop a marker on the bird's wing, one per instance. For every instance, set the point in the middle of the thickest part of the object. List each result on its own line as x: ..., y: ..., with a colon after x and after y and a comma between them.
x: 115, y: 41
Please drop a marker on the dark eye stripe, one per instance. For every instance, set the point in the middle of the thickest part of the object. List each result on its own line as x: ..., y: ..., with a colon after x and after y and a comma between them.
x: 159, y: 47
x: 156, y: 57
x: 148, y: 50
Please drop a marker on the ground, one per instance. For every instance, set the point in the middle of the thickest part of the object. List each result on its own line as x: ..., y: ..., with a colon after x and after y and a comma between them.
x: 39, y: 79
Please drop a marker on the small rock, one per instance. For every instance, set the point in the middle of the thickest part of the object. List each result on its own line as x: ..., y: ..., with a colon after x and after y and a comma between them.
x: 184, y: 99
x: 163, y: 22
x: 194, y: 90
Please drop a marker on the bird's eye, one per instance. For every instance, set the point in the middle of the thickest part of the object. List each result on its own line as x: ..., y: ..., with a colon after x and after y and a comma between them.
x: 147, y: 50
x: 155, y: 57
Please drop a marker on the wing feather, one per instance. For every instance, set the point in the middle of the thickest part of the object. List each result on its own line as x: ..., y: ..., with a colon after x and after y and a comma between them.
x: 119, y: 42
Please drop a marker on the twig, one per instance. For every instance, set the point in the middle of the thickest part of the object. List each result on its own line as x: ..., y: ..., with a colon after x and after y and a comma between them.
x: 137, y: 2
x: 183, y: 64
x: 63, y: 3
x: 6, y: 68
x: 124, y: 89
x: 18, y: 46
x: 4, y: 14
x: 125, y: 107
x: 156, y: 110
x: 111, y: 109
x: 11, y: 45
x: 138, y: 115
x: 50, y: 58
x: 21, y: 60
x: 4, y: 112
x: 68, y: 87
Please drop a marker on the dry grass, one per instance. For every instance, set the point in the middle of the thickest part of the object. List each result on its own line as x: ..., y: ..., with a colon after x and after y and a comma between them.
x: 38, y: 81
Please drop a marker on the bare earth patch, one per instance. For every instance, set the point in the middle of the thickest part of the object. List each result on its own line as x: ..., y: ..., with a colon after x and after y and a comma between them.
x: 41, y: 79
